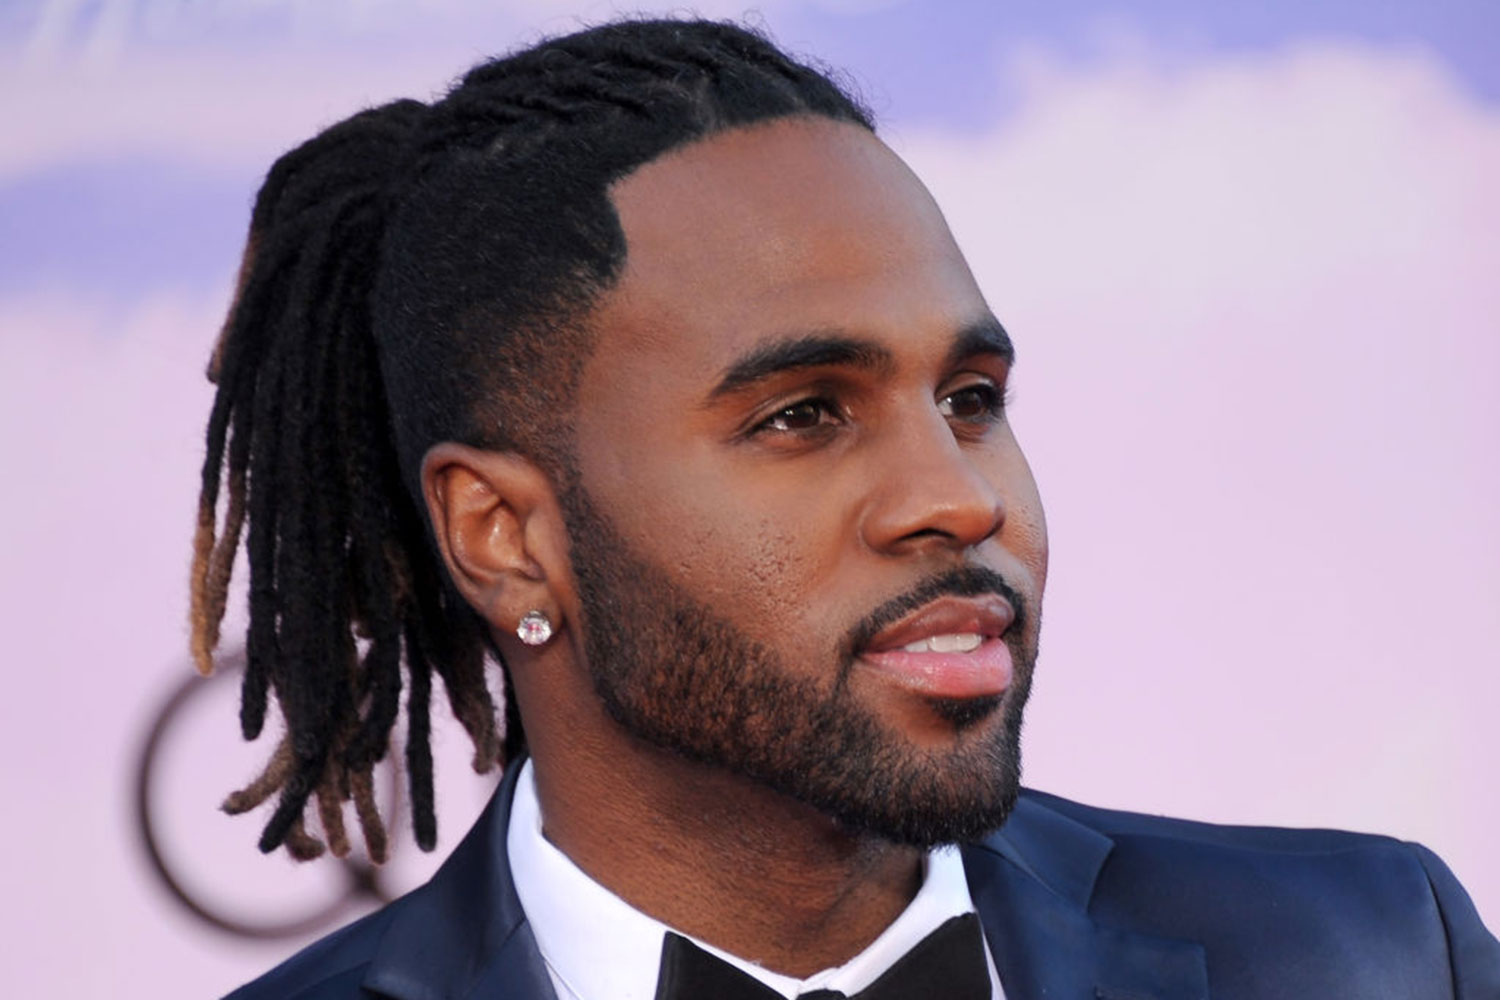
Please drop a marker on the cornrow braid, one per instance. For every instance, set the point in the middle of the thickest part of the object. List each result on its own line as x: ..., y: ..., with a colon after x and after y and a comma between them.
x: 416, y: 274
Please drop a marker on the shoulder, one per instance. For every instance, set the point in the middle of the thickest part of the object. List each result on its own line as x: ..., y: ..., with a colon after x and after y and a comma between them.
x: 1154, y: 857
x: 330, y: 968
x: 1248, y: 892
x: 1118, y: 825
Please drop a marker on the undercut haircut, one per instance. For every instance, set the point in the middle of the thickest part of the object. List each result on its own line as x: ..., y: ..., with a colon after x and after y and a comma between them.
x: 421, y: 273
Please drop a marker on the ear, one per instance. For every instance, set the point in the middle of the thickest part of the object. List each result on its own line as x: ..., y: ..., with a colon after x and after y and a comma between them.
x: 497, y: 524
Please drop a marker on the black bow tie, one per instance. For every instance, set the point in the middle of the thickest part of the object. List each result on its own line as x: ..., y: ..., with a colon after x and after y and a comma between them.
x: 948, y: 964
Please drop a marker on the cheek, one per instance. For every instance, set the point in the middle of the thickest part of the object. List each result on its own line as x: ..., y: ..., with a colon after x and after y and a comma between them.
x: 750, y: 547
x: 1025, y: 538
x: 754, y: 567
x: 1025, y: 532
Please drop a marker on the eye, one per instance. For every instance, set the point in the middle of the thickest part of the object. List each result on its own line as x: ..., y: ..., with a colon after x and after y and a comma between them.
x: 801, y: 417
x: 977, y: 403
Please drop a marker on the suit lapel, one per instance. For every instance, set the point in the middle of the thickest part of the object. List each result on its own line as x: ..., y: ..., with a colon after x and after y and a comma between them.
x: 463, y: 934
x: 1031, y: 883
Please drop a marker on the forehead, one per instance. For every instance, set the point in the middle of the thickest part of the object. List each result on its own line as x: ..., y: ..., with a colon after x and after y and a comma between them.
x: 795, y: 225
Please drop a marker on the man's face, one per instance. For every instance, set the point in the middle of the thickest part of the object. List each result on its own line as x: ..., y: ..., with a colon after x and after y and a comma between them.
x: 807, y: 546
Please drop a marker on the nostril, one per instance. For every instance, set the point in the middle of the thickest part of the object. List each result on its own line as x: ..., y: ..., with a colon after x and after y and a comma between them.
x: 930, y: 533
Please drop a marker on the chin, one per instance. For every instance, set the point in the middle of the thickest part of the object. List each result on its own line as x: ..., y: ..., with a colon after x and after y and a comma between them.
x: 925, y: 797
x: 963, y: 714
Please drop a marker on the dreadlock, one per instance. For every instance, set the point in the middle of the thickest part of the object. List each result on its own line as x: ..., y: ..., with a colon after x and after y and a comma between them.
x: 415, y: 274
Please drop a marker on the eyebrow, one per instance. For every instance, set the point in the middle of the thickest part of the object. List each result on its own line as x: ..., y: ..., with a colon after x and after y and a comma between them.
x: 984, y: 336
x: 813, y: 350
x: 832, y: 348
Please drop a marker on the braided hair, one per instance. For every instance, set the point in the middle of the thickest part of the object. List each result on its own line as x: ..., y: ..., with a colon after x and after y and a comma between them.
x: 414, y: 274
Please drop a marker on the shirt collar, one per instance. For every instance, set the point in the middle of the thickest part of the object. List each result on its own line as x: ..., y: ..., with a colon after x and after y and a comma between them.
x: 602, y: 948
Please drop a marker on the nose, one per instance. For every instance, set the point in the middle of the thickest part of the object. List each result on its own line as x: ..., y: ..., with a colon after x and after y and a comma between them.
x: 932, y: 491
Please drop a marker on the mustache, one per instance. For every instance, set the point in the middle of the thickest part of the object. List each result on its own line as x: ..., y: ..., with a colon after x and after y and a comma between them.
x: 966, y: 581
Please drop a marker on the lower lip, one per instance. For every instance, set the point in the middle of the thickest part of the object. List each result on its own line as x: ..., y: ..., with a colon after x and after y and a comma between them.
x: 981, y: 673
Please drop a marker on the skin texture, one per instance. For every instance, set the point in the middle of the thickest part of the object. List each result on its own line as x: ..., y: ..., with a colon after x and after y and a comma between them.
x: 789, y: 522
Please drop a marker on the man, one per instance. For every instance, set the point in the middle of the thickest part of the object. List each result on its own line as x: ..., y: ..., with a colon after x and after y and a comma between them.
x: 641, y: 363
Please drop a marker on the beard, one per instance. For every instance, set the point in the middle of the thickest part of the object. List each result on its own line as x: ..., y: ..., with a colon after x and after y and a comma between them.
x: 679, y: 676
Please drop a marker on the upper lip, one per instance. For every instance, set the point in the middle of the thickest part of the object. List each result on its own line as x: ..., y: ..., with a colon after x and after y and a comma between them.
x: 989, y: 615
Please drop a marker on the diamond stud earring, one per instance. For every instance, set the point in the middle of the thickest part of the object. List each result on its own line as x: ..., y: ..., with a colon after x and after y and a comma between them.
x: 535, y: 629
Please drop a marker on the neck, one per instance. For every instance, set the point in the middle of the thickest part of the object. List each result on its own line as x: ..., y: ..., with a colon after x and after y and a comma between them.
x: 718, y: 856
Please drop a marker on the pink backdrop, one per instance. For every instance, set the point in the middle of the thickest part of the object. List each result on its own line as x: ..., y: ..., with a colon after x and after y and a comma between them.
x: 1255, y: 302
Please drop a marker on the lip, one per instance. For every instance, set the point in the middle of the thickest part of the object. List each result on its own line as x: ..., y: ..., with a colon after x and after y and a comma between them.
x: 989, y: 615
x: 983, y: 672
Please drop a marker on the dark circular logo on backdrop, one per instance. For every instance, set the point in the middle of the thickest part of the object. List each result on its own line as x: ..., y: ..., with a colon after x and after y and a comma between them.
x: 360, y: 883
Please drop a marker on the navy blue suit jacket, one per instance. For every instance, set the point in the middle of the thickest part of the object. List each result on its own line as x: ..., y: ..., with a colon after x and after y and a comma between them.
x: 1077, y: 904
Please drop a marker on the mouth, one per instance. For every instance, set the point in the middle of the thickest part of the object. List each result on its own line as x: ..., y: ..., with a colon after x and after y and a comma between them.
x: 950, y: 648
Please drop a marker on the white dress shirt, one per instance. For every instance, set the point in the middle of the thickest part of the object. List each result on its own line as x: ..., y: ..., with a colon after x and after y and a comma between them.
x: 599, y: 947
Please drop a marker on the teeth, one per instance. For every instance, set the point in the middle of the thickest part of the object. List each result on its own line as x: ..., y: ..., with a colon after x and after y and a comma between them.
x: 953, y: 642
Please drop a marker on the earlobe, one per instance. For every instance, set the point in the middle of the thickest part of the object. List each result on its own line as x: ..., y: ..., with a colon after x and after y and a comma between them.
x: 484, y: 507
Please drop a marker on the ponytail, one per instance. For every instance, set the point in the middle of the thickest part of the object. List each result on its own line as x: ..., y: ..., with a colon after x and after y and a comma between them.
x: 342, y: 580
